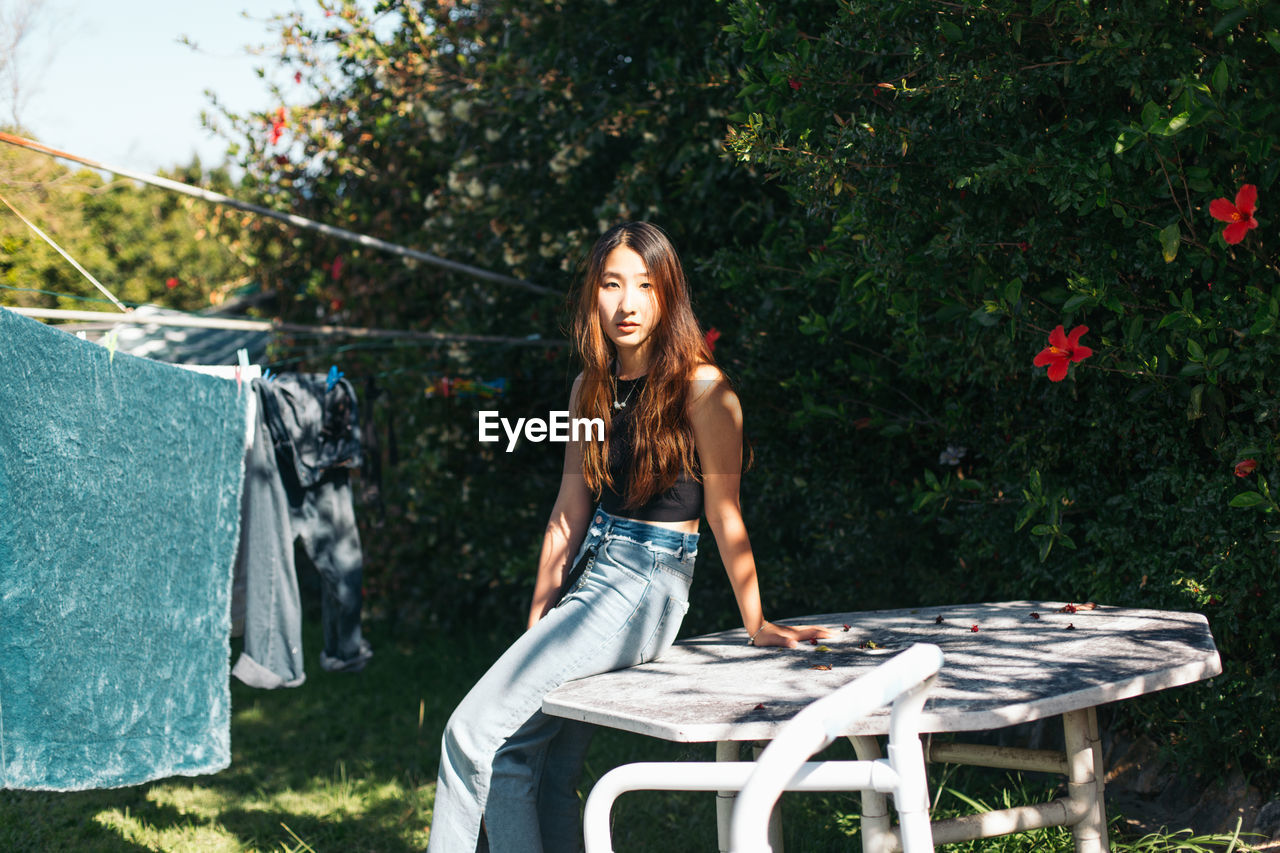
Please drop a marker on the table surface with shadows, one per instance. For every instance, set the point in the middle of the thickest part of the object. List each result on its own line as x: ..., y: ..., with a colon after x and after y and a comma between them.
x: 1005, y: 663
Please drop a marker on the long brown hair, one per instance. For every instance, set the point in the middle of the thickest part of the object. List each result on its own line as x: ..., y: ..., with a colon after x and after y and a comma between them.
x: 663, y: 436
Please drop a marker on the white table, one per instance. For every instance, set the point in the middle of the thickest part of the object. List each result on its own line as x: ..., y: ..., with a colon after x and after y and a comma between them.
x: 1016, y: 667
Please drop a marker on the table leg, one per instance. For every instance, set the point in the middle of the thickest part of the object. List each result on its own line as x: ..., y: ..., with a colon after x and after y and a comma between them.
x: 729, y: 750
x: 1085, y: 780
x: 726, y: 750
x: 775, y: 817
x: 877, y: 837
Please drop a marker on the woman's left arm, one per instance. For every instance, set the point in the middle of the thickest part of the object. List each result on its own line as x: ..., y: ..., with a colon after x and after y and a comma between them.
x: 716, y: 416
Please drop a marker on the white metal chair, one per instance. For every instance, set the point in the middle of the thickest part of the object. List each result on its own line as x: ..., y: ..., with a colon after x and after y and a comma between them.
x: 903, y: 680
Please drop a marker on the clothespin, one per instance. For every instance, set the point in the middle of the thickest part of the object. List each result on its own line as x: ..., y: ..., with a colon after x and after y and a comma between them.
x: 334, y: 375
x: 110, y: 343
x: 242, y: 367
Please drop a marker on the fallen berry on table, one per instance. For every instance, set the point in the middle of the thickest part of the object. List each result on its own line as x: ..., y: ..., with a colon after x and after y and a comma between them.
x: 846, y: 627
x: 868, y: 644
x: 1071, y: 626
x: 1035, y: 615
x: 1070, y: 608
x: 813, y: 641
x: 974, y: 629
x: 938, y: 620
x: 759, y: 707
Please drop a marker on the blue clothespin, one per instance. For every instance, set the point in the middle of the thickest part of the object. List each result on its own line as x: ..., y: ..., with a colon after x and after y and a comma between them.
x: 266, y: 375
x: 334, y: 375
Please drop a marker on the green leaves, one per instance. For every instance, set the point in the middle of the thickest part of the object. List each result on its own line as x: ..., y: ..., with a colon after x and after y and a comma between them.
x: 885, y: 245
x: 1170, y: 237
x: 1220, y: 77
x: 1126, y: 139
x: 1261, y: 499
x: 1229, y: 21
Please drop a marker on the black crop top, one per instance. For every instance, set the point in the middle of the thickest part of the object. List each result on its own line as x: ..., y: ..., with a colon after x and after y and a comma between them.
x: 681, y: 502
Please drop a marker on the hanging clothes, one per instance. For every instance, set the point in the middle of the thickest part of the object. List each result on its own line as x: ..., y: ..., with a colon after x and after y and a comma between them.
x: 266, y: 586
x: 312, y: 426
x: 120, y: 482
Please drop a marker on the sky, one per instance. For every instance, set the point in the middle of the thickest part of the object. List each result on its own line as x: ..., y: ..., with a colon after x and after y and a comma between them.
x: 112, y: 81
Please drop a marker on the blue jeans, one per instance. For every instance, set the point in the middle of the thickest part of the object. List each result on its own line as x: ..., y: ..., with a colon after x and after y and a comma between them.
x: 504, y: 760
x: 277, y: 508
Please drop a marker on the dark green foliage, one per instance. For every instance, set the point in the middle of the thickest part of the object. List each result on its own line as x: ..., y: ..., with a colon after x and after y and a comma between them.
x: 506, y: 137
x: 914, y: 195
x: 973, y: 175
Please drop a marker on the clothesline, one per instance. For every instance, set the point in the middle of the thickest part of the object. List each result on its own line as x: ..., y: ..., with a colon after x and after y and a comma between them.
x: 292, y: 219
x: 63, y: 252
x: 188, y: 320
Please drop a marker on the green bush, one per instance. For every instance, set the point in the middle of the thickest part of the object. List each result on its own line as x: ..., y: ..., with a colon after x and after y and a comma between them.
x: 972, y: 175
x: 914, y: 196
x: 145, y: 245
x: 505, y: 135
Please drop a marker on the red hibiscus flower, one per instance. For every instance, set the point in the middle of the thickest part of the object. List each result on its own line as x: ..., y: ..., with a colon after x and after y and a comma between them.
x: 1246, y: 467
x: 171, y: 283
x: 1061, y: 351
x: 1238, y: 216
x: 713, y: 335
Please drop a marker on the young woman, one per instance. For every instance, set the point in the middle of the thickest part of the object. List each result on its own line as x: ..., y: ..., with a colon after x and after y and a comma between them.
x: 618, y: 553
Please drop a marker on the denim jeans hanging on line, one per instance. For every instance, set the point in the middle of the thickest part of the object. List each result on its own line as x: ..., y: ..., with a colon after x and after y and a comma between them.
x: 297, y: 487
x: 504, y: 760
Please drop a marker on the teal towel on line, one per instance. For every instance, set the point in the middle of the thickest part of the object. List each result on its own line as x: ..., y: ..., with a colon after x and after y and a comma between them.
x: 119, y: 517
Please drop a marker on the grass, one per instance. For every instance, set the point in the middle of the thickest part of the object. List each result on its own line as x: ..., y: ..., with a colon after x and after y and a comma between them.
x: 344, y: 762
x: 348, y: 763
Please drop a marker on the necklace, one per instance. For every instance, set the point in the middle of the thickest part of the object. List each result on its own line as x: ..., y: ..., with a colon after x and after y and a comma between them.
x: 620, y: 405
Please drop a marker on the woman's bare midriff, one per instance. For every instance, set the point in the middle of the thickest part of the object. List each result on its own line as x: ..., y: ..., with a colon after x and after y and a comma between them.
x: 690, y: 526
